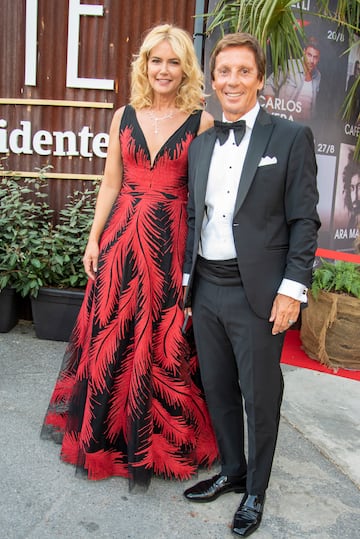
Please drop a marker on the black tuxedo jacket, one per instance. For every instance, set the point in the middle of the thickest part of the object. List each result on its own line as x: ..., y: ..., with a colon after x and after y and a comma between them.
x: 275, y: 220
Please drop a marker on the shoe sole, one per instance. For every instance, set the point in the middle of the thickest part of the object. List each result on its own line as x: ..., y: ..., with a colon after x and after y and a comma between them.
x: 247, y: 533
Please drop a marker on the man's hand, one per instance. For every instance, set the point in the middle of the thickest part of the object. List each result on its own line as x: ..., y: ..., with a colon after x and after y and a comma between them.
x: 187, y: 310
x: 284, y: 313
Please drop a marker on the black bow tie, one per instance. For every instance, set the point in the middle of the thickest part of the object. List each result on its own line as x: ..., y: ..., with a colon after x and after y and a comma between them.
x: 223, y: 129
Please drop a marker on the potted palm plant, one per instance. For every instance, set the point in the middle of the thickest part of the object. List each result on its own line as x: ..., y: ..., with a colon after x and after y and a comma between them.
x: 330, y: 324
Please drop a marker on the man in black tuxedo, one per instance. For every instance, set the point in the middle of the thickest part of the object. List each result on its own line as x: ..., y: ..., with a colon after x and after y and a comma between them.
x: 249, y: 257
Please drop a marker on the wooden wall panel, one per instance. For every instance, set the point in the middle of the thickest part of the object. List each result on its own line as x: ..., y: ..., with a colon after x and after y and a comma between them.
x: 105, y: 49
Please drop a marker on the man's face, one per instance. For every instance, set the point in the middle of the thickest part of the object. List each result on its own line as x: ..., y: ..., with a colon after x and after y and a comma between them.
x: 312, y: 57
x: 236, y: 81
x: 355, y: 193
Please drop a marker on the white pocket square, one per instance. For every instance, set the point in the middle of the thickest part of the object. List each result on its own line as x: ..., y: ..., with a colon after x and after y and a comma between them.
x: 267, y: 161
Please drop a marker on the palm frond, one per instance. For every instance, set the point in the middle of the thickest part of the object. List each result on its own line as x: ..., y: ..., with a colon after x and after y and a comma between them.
x: 345, y: 13
x: 348, y: 105
x: 274, y: 23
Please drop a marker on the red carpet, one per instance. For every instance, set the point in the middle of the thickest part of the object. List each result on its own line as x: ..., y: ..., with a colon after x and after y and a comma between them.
x: 294, y: 355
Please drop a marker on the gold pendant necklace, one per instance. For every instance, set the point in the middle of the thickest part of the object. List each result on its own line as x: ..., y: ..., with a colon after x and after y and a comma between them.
x: 156, y: 119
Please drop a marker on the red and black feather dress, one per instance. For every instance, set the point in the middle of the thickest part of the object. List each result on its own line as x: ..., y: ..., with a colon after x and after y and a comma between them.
x: 128, y: 400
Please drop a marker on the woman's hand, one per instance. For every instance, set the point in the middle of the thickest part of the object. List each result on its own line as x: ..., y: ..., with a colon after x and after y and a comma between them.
x: 90, y: 259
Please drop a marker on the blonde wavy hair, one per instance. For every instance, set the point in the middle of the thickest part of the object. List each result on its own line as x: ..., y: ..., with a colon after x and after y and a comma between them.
x: 190, y: 95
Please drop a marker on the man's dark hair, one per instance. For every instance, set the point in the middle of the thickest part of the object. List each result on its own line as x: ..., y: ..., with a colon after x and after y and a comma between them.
x: 312, y: 42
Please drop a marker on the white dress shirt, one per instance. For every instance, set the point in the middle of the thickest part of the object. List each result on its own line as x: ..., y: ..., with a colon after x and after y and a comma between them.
x: 217, y: 240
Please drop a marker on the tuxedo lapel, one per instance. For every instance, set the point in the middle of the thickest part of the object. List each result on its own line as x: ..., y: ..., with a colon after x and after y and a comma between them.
x: 259, y: 138
x: 202, y: 171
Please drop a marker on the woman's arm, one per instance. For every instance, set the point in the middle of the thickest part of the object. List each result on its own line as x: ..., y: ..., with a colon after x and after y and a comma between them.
x: 108, y: 192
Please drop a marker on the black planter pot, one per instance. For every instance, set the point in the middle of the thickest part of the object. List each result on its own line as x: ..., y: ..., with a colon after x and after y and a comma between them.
x: 54, y: 312
x: 8, y: 309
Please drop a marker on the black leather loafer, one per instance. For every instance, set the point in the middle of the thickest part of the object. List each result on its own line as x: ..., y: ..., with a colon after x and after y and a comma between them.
x: 210, y: 489
x: 248, y: 516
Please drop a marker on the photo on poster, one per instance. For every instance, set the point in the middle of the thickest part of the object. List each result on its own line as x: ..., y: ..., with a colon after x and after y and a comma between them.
x: 307, y: 93
x: 346, y: 215
x: 295, y: 93
x: 325, y: 184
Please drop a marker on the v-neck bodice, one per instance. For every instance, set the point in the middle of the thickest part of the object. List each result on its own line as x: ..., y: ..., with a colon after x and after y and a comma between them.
x: 168, y: 172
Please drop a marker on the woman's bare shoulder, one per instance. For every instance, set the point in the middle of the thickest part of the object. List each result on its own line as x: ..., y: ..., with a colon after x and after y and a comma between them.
x: 119, y: 112
x: 116, y: 119
x: 206, y: 121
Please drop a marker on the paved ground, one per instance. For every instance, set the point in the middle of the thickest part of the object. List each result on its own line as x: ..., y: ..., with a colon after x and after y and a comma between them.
x: 314, y: 491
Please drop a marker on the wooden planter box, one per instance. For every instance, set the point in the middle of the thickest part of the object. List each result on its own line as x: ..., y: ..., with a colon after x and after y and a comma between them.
x: 330, y: 330
x: 54, y: 312
x: 8, y: 309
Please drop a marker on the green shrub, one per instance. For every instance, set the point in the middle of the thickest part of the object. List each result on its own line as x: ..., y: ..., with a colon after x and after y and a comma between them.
x: 26, y: 235
x: 70, y: 239
x: 33, y: 251
x: 339, y: 277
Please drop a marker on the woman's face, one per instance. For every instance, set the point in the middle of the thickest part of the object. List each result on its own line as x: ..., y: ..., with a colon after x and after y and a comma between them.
x: 164, y: 69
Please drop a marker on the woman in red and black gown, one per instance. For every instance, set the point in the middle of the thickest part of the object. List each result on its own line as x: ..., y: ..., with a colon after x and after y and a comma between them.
x: 128, y: 400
